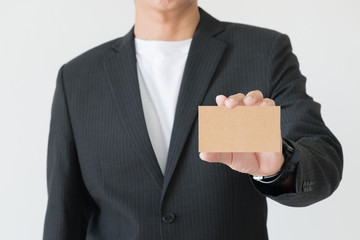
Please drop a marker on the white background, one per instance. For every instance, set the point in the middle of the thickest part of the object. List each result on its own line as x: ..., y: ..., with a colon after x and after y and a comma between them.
x: 38, y: 36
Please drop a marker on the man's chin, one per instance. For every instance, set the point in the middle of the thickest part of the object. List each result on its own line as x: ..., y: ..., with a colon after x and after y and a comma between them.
x: 171, y: 5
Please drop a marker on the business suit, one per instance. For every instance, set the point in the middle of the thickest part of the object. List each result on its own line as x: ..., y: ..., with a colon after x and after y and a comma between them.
x: 104, y: 181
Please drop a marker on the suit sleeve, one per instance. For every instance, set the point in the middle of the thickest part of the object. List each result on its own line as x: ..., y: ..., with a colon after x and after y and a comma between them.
x: 69, y: 204
x: 318, y: 154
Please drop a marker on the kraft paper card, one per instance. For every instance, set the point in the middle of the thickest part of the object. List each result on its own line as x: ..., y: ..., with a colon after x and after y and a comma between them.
x: 241, y: 129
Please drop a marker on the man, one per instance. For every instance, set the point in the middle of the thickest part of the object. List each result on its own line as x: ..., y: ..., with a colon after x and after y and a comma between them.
x: 109, y: 174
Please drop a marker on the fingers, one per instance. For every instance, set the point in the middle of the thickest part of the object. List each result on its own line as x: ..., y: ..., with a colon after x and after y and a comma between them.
x: 220, y: 100
x: 245, y: 162
x: 267, y: 102
x: 257, y: 164
x: 230, y: 102
x: 253, y: 98
x: 241, y: 162
x: 235, y: 100
x: 219, y: 157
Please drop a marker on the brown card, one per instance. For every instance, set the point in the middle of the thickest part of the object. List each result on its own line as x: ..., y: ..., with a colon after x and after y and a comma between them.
x: 241, y: 129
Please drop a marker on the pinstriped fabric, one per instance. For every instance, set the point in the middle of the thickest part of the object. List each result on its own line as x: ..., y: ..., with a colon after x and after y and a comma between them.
x: 104, y: 182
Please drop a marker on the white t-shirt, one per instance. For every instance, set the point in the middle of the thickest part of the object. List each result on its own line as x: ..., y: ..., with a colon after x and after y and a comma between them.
x: 160, y: 67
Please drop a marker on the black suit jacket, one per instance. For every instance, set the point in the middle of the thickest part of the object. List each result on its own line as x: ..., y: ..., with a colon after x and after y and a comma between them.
x: 104, y: 182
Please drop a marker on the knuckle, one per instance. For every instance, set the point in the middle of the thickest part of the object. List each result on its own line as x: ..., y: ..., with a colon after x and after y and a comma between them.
x: 259, y: 94
x: 238, y: 96
x: 230, y: 160
x: 256, y: 93
x: 269, y: 101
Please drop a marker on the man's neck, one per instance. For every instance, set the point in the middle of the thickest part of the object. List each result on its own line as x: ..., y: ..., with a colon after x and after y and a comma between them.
x: 173, y: 25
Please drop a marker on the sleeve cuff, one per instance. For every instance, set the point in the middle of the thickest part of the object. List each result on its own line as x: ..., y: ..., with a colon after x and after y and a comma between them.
x: 273, y: 185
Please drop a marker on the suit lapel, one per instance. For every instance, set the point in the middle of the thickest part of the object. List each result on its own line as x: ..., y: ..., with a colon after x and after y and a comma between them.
x: 122, y: 77
x: 203, y: 58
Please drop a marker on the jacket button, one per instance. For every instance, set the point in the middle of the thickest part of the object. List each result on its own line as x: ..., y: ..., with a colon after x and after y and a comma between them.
x: 168, y: 217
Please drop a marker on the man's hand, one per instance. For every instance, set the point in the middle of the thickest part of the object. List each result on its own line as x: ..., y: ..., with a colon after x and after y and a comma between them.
x: 258, y: 163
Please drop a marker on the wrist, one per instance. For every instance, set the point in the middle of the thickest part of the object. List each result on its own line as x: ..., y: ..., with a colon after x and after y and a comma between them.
x: 286, y: 169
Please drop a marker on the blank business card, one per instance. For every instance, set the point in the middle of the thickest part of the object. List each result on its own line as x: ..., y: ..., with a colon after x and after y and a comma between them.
x: 241, y: 129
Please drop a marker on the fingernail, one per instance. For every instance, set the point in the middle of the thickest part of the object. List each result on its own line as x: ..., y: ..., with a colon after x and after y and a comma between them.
x: 249, y: 99
x: 201, y: 155
x: 229, y: 101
